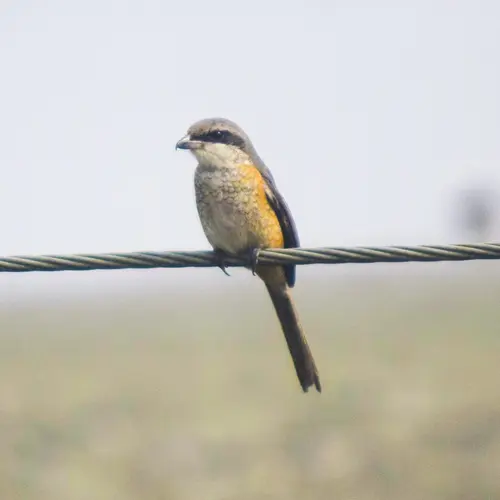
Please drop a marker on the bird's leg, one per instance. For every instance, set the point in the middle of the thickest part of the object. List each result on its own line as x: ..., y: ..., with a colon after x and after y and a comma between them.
x: 254, y: 259
x: 220, y: 258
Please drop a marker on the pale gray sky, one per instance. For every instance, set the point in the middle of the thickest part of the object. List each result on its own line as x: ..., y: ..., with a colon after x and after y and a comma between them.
x: 370, y: 114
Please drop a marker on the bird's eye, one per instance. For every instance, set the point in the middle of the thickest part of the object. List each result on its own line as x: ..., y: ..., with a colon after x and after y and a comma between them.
x: 216, y: 134
x: 221, y: 137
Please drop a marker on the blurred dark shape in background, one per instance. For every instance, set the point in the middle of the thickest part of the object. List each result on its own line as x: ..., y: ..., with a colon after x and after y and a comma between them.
x: 476, y: 213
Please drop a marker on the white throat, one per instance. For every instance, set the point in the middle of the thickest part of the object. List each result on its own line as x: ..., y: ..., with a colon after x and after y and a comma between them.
x: 220, y: 155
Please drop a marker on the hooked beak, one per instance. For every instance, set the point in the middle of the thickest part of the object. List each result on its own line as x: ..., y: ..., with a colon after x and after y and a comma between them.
x: 187, y: 143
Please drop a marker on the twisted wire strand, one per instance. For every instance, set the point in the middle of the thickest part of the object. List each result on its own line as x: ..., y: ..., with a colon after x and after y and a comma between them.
x: 297, y: 256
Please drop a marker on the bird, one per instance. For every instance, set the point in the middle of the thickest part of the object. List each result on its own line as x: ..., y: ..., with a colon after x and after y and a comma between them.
x: 242, y: 212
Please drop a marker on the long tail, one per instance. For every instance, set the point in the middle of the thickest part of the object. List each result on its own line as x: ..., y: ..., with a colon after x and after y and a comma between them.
x: 295, y: 338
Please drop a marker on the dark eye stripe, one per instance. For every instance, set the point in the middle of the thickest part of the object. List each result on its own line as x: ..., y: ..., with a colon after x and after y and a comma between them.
x: 220, y: 137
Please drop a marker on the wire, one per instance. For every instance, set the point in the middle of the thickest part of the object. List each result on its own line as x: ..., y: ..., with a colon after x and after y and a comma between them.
x: 296, y: 256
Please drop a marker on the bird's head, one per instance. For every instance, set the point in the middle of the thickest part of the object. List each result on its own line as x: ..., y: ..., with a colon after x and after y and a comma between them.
x: 217, y: 142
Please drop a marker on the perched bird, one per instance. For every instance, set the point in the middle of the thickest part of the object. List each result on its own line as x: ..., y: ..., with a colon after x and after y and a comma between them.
x: 242, y: 212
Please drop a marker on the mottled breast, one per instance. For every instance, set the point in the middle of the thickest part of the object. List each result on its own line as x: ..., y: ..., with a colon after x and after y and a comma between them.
x: 234, y: 210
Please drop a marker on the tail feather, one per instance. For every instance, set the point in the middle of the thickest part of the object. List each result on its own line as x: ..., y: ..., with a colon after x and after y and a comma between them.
x: 303, y: 360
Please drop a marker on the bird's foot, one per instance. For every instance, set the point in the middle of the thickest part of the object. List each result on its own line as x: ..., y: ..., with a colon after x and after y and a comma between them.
x: 254, y: 259
x: 220, y: 258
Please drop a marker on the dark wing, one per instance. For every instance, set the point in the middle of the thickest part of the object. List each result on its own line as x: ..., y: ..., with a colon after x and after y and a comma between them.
x: 290, y: 236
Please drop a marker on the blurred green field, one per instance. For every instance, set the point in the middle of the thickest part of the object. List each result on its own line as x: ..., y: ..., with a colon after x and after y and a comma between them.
x: 178, y: 395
